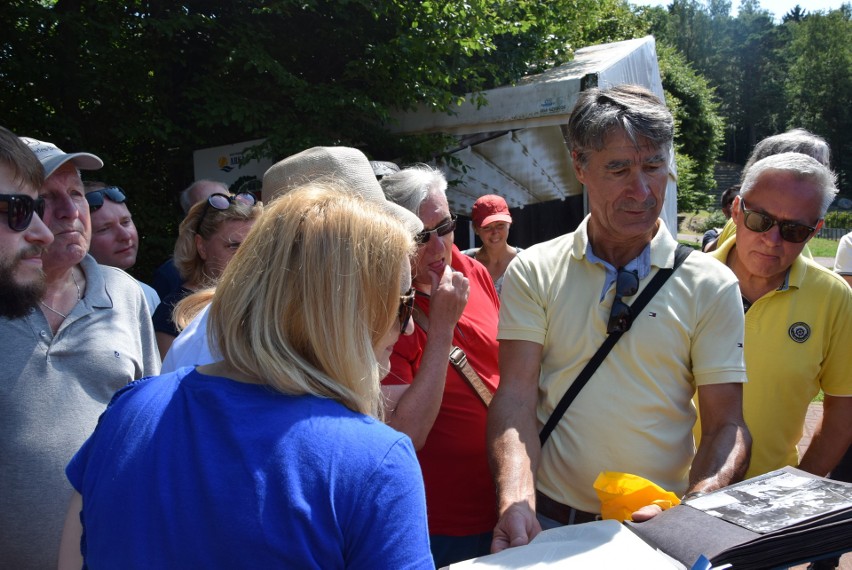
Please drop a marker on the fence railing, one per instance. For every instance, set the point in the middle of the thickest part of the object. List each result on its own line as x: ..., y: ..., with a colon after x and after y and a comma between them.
x: 833, y: 233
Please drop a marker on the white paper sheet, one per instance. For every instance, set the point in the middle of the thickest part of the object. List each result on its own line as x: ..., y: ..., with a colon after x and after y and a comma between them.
x: 598, y: 545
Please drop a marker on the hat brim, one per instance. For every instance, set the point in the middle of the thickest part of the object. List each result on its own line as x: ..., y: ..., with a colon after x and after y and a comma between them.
x: 82, y: 160
x: 496, y: 218
x: 407, y: 218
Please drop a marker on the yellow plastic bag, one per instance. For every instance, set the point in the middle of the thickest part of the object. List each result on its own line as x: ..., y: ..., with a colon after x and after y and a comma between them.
x: 622, y: 494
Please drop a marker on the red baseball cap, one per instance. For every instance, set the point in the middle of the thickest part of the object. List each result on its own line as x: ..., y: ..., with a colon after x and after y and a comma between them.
x: 489, y: 209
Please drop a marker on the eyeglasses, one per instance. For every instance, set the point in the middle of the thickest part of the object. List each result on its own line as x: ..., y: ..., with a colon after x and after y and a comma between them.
x: 406, y: 308
x: 423, y: 237
x: 222, y: 202
x: 760, y: 223
x: 95, y: 198
x: 620, y: 317
x: 19, y: 212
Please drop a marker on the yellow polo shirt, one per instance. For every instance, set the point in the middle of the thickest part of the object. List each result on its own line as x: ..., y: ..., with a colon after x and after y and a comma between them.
x: 798, y: 339
x: 635, y: 415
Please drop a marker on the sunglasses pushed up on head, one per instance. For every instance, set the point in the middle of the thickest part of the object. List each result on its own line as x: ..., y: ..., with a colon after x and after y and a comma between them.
x: 96, y: 198
x: 20, y: 209
x: 222, y: 202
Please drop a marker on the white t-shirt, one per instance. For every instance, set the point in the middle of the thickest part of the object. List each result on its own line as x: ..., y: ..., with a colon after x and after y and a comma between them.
x: 843, y: 261
x: 191, y: 347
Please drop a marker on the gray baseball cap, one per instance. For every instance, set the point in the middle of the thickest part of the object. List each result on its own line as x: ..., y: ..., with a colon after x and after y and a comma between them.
x: 52, y: 157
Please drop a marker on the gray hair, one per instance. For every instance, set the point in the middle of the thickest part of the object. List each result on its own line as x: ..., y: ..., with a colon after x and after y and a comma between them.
x: 804, y: 167
x: 795, y: 140
x: 186, y: 201
x: 632, y: 108
x: 410, y: 186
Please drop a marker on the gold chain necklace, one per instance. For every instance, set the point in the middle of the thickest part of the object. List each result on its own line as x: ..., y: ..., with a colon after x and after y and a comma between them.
x: 79, y: 296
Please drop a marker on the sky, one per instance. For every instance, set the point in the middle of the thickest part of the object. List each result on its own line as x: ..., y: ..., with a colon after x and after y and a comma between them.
x: 777, y: 7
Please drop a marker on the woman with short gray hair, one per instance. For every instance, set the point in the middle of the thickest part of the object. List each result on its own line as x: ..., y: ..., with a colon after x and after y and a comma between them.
x: 440, y: 407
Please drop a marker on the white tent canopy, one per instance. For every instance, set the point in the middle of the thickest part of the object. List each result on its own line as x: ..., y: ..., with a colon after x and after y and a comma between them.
x: 514, y: 145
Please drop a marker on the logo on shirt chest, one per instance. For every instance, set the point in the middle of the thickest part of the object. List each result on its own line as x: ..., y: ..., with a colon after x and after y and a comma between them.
x: 799, y: 332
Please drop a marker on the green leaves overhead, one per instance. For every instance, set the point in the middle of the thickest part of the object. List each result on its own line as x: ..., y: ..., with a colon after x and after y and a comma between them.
x: 143, y: 83
x: 769, y: 72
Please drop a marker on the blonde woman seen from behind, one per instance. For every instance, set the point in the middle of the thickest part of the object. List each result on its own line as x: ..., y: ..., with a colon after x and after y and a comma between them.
x: 273, y: 457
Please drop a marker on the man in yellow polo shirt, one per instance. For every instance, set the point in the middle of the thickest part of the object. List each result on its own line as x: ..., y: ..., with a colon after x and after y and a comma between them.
x: 794, y: 140
x: 563, y: 298
x: 798, y: 315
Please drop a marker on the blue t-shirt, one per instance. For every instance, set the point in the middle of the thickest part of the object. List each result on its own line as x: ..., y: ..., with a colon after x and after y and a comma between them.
x: 192, y: 471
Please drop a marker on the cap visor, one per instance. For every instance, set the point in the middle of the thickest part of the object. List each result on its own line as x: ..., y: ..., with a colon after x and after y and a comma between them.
x: 82, y: 160
x: 496, y: 218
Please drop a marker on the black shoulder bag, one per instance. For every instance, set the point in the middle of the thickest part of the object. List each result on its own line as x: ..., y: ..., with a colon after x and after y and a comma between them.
x: 662, y: 275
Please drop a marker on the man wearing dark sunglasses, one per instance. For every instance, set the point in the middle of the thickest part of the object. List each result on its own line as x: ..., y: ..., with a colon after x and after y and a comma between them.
x: 427, y: 397
x: 90, y: 335
x: 23, y: 235
x: 798, y: 315
x: 561, y: 299
x: 794, y: 140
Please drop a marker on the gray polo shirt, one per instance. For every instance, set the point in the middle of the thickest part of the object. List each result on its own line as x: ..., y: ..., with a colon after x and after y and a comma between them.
x: 53, y: 388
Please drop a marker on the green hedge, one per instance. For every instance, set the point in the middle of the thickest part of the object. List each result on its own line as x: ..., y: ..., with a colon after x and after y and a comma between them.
x: 838, y: 220
x: 714, y: 220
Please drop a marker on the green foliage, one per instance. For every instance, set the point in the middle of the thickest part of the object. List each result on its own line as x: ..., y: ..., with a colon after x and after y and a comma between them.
x: 797, y: 14
x: 698, y: 128
x: 838, y: 219
x: 768, y: 77
x: 716, y: 219
x: 742, y: 59
x: 688, y: 199
x: 143, y: 83
x: 820, y: 81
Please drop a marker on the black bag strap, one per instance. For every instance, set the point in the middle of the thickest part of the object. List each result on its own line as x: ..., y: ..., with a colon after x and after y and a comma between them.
x: 681, y: 253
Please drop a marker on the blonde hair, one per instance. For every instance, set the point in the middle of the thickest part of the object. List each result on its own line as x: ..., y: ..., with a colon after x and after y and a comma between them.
x: 187, y: 260
x: 187, y: 308
x: 314, y: 287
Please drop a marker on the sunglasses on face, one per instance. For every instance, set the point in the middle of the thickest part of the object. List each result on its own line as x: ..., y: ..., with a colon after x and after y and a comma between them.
x: 96, y: 197
x: 20, y: 208
x: 423, y: 237
x: 620, y: 317
x: 222, y: 202
x: 406, y: 307
x: 760, y: 223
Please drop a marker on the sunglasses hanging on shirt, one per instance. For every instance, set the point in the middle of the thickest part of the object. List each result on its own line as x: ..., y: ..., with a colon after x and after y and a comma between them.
x: 620, y: 316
